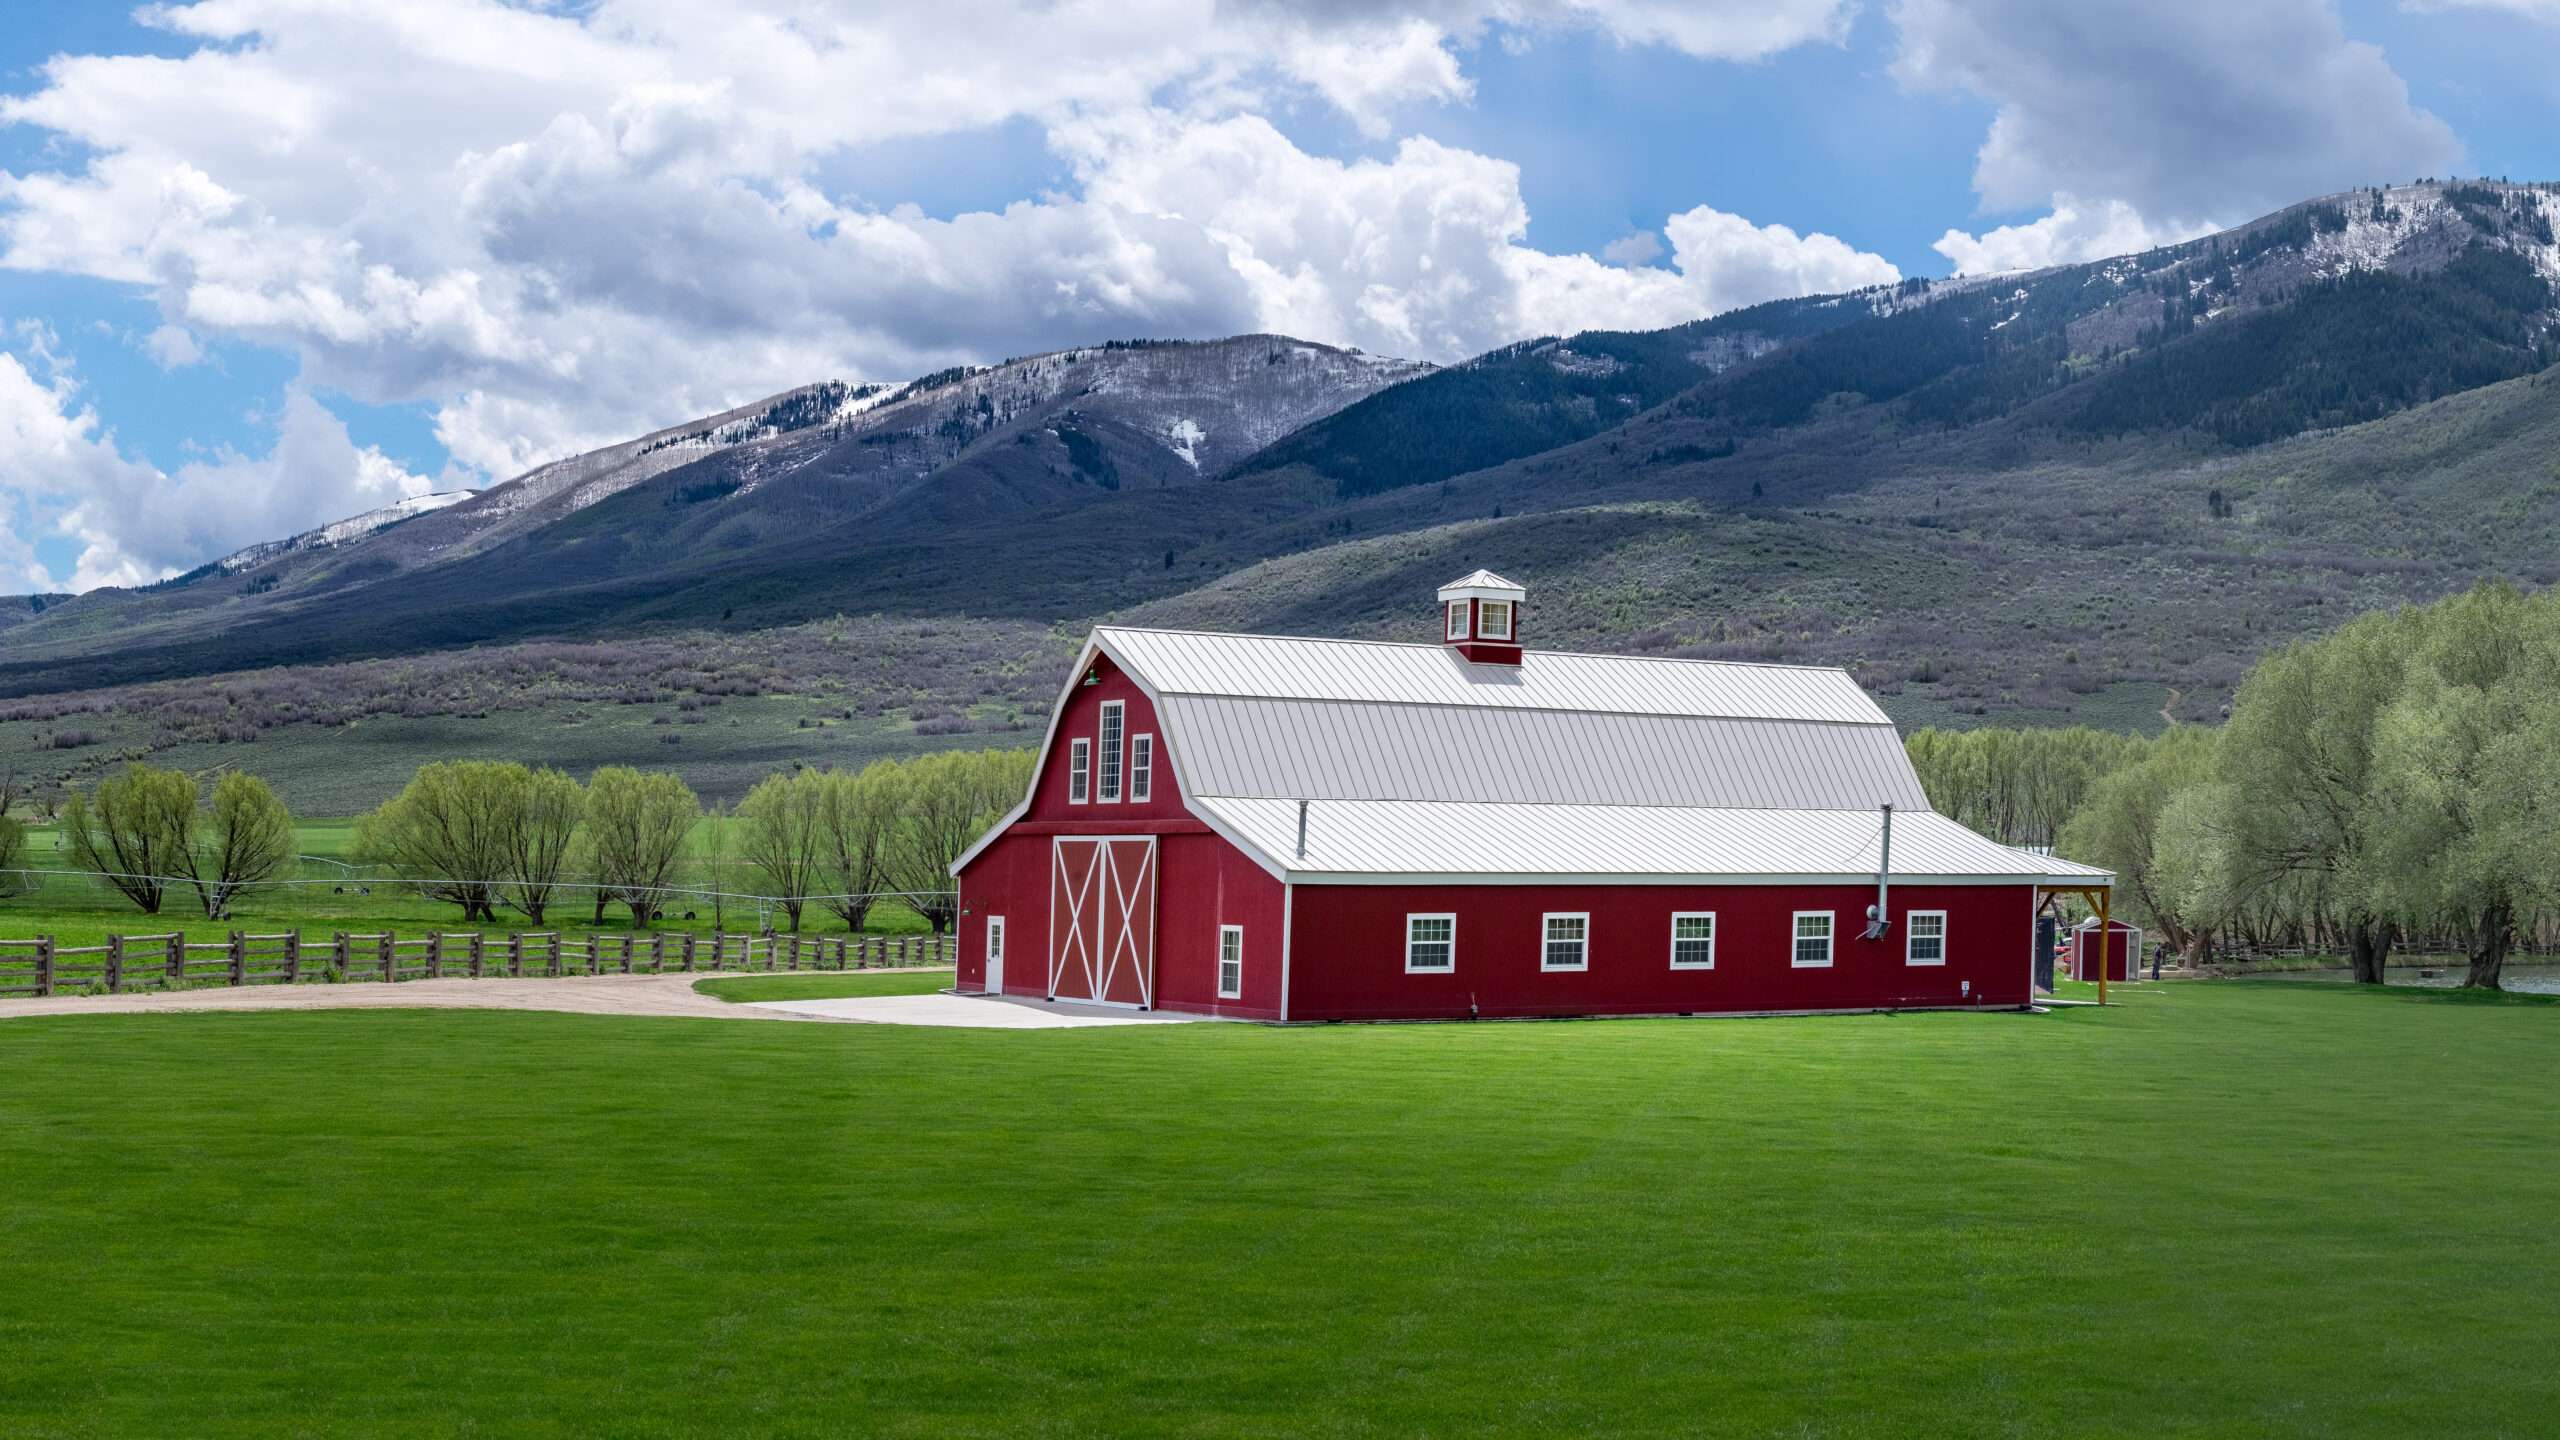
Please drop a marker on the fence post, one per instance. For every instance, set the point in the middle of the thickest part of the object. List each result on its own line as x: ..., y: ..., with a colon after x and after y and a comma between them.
x: 390, y: 957
x: 687, y: 959
x: 476, y: 942
x: 341, y: 954
x: 239, y: 959
x: 174, y: 967
x: 595, y: 953
x: 44, y: 965
x: 658, y: 953
x: 515, y: 957
x: 293, y: 956
x: 435, y: 954
x: 115, y: 964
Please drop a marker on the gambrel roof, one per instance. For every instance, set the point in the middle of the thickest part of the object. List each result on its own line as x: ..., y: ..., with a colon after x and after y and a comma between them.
x: 1417, y: 764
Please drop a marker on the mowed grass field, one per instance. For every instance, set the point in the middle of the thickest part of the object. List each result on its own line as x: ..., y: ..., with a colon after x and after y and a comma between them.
x: 2244, y: 1209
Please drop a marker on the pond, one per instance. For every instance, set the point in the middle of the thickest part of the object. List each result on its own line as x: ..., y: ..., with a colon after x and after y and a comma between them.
x: 2534, y: 979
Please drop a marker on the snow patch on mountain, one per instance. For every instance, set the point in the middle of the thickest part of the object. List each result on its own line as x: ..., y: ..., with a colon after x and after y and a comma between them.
x: 340, y: 532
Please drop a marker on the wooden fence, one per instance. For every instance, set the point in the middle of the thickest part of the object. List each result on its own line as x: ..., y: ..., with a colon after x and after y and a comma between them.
x: 151, y: 962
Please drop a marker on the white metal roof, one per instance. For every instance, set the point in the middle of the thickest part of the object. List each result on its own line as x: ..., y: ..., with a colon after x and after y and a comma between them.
x: 1417, y: 764
x: 1404, y: 841
x: 1331, y: 750
x: 1184, y: 662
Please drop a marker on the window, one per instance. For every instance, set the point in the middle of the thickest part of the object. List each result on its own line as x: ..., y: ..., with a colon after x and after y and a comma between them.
x: 1813, y: 938
x: 1496, y: 620
x: 1079, y: 771
x: 1230, y: 962
x: 1693, y: 940
x: 1458, y: 620
x: 1112, y: 719
x: 1430, y: 944
x: 1568, y: 942
x: 1927, y: 937
x: 1142, y: 766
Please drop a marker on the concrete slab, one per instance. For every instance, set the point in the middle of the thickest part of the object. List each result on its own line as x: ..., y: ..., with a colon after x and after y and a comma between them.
x: 975, y: 1012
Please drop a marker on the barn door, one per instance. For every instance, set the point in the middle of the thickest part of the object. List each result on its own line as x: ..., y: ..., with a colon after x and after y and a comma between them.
x: 1102, y: 920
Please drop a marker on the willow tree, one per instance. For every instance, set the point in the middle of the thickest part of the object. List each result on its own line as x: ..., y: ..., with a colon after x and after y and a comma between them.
x: 2120, y: 825
x: 951, y: 799
x: 2297, y: 763
x: 859, y: 815
x: 783, y: 833
x: 246, y: 837
x: 476, y: 832
x: 2462, y: 818
x: 637, y: 823
x: 135, y: 833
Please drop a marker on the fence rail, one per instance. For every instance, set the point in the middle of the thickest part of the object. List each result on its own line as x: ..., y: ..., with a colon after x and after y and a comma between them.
x: 41, y: 967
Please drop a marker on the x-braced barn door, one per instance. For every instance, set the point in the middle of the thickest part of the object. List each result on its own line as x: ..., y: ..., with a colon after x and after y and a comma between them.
x: 1102, y: 920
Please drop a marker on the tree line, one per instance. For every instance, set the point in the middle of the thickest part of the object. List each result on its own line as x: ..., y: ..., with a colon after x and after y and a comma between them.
x: 2395, y: 780
x: 490, y: 835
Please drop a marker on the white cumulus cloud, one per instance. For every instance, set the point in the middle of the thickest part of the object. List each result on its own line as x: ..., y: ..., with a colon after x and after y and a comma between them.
x: 2161, y: 121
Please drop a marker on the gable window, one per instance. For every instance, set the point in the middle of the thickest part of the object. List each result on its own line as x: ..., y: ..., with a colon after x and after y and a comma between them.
x: 1079, y: 771
x: 1430, y: 944
x: 1925, y: 937
x: 1142, y: 766
x: 1113, y: 715
x: 1813, y: 939
x: 1693, y: 940
x: 1495, y: 622
x: 1230, y: 962
x: 1458, y: 620
x: 1568, y: 943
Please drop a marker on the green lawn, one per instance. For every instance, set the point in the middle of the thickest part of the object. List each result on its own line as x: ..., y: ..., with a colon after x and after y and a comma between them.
x: 825, y: 987
x: 2239, y: 1208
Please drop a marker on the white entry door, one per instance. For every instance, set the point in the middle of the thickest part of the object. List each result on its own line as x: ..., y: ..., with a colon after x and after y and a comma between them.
x: 995, y: 954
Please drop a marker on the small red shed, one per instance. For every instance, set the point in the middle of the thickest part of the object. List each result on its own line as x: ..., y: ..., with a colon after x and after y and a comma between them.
x: 1280, y: 828
x: 2123, y: 948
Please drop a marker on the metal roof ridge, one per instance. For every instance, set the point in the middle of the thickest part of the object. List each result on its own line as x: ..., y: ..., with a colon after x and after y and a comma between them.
x: 1885, y: 722
x: 1439, y: 646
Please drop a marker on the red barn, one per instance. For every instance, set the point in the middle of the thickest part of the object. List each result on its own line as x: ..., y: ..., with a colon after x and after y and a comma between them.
x: 1291, y: 829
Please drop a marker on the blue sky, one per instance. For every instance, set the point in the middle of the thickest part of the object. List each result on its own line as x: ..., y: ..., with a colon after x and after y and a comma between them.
x: 264, y: 263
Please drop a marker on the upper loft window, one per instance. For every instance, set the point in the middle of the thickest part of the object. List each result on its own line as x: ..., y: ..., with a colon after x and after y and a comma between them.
x: 1113, y: 713
x: 1495, y: 621
x: 1079, y: 771
x: 1458, y: 620
x: 1142, y: 767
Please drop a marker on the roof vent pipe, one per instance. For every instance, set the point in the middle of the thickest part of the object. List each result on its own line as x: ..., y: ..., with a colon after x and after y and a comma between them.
x: 1877, y: 924
x: 1302, y: 829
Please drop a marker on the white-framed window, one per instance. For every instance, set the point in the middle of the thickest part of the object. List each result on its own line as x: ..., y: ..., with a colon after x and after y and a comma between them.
x: 1693, y: 940
x: 1230, y: 962
x: 1114, y: 720
x: 1142, y: 767
x: 1457, y: 619
x: 1079, y: 771
x: 1924, y: 937
x: 1494, y: 620
x: 1567, y: 942
x: 1430, y: 944
x: 1813, y: 939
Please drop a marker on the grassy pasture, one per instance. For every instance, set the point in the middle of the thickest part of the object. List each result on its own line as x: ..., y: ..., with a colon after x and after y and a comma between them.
x: 2239, y: 1208
x: 77, y: 910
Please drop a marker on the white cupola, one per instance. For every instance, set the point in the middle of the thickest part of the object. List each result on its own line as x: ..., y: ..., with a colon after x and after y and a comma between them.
x: 1480, y: 618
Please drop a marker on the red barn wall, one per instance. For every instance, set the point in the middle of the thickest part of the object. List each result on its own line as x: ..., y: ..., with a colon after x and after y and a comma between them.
x: 1349, y: 956
x: 1202, y: 882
